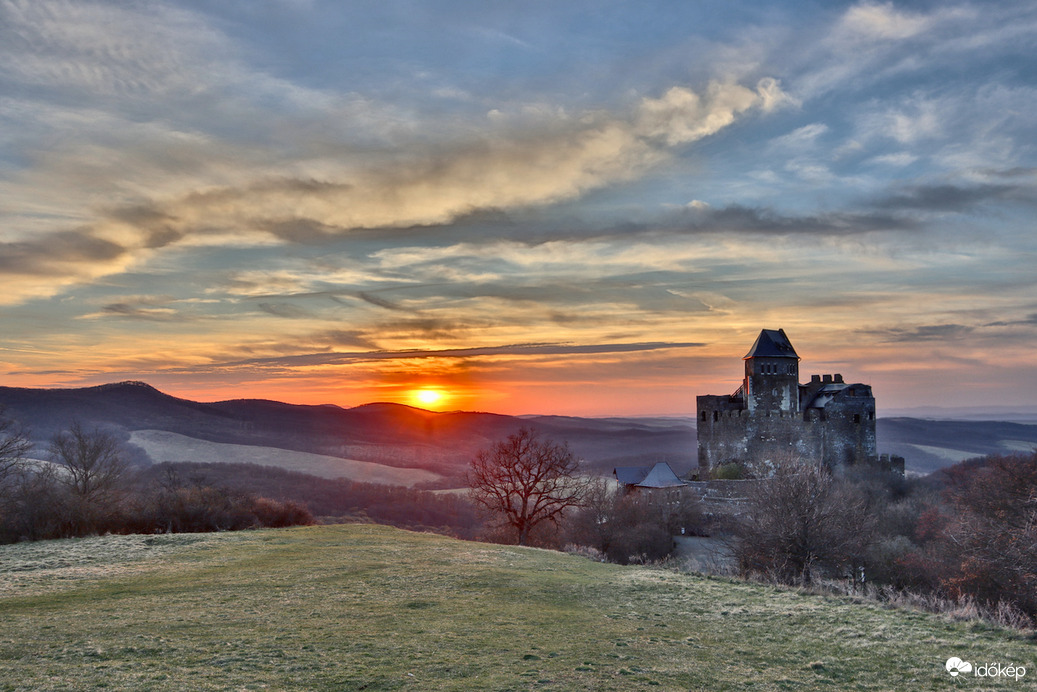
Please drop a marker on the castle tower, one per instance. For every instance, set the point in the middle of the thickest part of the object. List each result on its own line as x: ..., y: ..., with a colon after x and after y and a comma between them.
x: 771, y: 381
x: 772, y: 419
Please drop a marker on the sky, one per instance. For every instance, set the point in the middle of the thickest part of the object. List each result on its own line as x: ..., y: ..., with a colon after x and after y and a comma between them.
x: 581, y: 207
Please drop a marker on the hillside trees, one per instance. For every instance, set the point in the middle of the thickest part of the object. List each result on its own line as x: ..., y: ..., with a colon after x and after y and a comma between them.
x: 336, y: 499
x: 89, y: 487
x: 632, y: 527
x: 172, y: 504
x: 526, y: 479
x: 14, y: 445
x: 802, y: 522
x: 982, y: 540
x: 92, y: 472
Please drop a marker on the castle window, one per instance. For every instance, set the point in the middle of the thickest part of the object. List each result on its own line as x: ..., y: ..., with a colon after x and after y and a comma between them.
x: 716, y: 415
x: 857, y: 418
x: 703, y: 416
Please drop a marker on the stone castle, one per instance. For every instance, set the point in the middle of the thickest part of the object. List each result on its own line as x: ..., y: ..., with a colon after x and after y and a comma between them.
x: 772, y: 418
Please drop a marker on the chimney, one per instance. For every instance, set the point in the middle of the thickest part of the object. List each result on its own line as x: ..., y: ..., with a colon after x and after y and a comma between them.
x: 838, y: 378
x: 815, y: 379
x: 826, y: 378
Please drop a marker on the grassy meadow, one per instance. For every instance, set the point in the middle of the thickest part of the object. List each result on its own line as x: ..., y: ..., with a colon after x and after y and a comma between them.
x: 354, y: 607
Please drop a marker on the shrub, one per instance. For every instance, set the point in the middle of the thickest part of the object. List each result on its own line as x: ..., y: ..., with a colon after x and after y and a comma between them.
x: 802, y: 521
x: 276, y: 514
x: 633, y: 527
x: 731, y: 471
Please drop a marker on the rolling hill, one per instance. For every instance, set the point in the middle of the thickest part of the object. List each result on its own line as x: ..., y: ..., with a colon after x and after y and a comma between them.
x: 930, y: 445
x: 162, y: 427
x: 392, y: 443
x: 354, y: 607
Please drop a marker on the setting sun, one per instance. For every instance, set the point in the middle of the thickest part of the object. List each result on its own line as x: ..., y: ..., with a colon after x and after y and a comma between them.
x: 429, y: 397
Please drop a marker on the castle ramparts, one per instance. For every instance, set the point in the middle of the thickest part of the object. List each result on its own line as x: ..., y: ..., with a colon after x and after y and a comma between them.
x: 772, y: 418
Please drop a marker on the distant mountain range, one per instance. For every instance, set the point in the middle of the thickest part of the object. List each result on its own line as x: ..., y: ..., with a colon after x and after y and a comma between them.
x: 1013, y: 414
x: 393, y: 443
x: 161, y: 427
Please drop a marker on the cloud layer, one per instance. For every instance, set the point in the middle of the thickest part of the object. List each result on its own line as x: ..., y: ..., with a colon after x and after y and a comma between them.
x: 190, y: 198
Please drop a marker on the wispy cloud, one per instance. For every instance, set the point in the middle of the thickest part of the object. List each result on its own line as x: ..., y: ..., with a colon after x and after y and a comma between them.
x: 957, y: 198
x: 428, y: 186
x: 935, y: 332
x: 880, y: 22
x: 188, y: 194
x: 509, y: 350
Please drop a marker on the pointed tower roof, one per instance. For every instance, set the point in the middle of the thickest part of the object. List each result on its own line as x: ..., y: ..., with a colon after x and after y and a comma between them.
x: 772, y: 344
x: 659, y: 476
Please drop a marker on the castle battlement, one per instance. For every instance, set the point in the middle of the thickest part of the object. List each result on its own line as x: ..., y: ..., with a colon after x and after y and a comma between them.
x: 773, y: 418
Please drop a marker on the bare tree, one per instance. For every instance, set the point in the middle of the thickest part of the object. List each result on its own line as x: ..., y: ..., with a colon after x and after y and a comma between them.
x: 93, y: 465
x: 14, y: 445
x: 34, y: 504
x: 527, y: 479
x: 988, y: 548
x: 800, y: 521
x: 594, y: 525
x: 633, y: 526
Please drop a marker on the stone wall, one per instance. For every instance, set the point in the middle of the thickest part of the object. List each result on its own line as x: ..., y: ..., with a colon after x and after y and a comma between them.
x: 842, y: 433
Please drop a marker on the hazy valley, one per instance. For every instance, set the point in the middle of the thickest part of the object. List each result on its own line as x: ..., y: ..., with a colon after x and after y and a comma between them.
x: 401, y: 445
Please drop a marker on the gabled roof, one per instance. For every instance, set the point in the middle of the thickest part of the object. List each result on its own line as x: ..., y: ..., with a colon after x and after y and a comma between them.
x: 630, y: 475
x: 658, y: 476
x: 661, y: 476
x: 772, y: 343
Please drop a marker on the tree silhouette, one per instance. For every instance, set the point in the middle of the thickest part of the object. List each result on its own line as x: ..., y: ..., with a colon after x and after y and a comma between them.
x: 527, y: 479
x: 800, y: 520
x: 14, y: 445
x: 93, y: 464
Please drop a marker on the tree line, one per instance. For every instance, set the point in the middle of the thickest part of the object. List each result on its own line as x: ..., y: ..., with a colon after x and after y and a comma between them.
x: 86, y: 486
x: 337, y: 499
x: 965, y: 534
x: 968, y: 534
x: 533, y: 492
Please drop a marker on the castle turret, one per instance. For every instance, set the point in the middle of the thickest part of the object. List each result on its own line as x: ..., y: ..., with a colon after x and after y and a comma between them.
x: 772, y: 419
x: 771, y: 381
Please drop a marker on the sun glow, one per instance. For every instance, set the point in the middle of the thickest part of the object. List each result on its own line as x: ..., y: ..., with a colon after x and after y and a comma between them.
x: 428, y: 397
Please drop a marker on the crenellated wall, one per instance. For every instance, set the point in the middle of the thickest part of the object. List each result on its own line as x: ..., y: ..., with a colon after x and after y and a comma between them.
x: 842, y: 432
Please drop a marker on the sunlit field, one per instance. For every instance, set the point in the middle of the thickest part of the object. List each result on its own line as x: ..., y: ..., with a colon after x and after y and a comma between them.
x: 369, y: 607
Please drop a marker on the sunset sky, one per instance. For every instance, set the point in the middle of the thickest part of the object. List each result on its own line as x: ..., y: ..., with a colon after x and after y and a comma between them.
x: 580, y: 207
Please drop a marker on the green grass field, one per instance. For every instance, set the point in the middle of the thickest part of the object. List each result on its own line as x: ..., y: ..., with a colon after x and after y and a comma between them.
x: 368, y: 607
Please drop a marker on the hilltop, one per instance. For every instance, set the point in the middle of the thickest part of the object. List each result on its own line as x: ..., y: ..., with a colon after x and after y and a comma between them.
x: 314, y: 439
x: 370, y: 607
x: 396, y: 444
